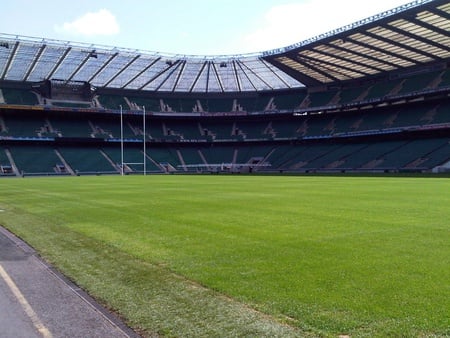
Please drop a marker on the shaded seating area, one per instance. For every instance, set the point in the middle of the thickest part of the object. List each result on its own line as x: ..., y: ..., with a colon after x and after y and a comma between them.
x: 36, y: 160
x: 19, y: 96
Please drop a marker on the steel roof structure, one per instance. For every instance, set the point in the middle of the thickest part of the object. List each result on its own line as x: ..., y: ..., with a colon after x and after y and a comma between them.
x: 412, y: 35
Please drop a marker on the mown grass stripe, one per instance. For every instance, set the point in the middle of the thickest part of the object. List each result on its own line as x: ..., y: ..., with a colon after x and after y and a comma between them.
x: 328, y: 255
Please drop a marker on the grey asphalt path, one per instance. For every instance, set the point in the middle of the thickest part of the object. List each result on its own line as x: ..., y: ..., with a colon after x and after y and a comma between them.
x: 36, y: 301
x: 12, y: 320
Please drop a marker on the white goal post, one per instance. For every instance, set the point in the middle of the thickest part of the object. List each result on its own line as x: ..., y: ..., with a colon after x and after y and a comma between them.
x: 144, y: 161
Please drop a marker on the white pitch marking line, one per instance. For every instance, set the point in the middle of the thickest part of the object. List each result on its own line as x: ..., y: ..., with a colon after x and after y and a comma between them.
x: 25, y: 305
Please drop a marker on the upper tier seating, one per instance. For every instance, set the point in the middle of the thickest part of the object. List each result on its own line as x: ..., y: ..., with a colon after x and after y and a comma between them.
x: 113, y: 102
x: 19, y: 96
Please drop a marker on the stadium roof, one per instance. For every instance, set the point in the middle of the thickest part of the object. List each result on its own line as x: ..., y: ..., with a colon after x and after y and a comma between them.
x: 415, y: 34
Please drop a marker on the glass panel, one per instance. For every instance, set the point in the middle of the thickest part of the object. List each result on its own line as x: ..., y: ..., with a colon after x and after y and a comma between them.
x: 70, y: 63
x: 227, y: 76
x: 47, y: 62
x: 168, y: 80
x: 189, y: 76
x: 203, y: 80
x: 5, y: 54
x: 131, y: 71
x: 155, y: 75
x: 422, y: 32
x: 369, y: 41
x: 22, y: 61
x: 91, y: 66
x: 258, y: 74
x: 303, y: 69
x: 112, y: 69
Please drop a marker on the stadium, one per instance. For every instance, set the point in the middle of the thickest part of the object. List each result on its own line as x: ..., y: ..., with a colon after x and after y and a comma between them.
x: 364, y: 102
x: 372, y: 96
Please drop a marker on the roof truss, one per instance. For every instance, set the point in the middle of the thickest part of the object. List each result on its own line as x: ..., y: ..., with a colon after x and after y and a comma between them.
x: 410, y: 36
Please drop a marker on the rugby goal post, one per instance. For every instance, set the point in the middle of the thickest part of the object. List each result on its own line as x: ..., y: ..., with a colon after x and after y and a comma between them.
x: 144, y: 150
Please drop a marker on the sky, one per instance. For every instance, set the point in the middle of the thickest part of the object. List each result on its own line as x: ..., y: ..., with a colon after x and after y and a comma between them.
x: 188, y: 27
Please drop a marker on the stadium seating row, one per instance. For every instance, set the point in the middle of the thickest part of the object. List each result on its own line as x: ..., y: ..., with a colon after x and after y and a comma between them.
x: 42, y: 125
x: 400, y: 133
x: 413, y: 155
x: 265, y: 102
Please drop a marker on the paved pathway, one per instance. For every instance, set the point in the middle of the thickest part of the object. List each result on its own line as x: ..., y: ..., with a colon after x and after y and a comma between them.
x: 36, y: 301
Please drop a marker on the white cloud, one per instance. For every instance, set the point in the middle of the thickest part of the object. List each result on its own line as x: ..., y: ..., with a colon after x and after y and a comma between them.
x: 102, y: 22
x: 290, y: 23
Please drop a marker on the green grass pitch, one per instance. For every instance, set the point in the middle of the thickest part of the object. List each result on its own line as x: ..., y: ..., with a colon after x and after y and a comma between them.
x: 259, y: 256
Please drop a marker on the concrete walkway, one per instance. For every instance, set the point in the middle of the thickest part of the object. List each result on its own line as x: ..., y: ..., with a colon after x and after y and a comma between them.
x: 36, y: 301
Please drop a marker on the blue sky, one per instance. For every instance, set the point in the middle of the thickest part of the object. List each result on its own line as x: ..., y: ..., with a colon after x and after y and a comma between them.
x: 191, y: 27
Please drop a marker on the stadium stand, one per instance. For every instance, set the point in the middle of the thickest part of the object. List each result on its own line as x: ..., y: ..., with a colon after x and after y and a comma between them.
x: 19, y: 96
x: 36, y: 159
x: 88, y: 160
x: 333, y: 103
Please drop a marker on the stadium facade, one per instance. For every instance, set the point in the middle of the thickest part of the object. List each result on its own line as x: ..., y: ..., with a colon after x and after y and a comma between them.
x: 372, y: 96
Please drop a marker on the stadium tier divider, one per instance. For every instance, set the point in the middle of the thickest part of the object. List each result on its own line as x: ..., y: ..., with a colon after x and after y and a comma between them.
x: 68, y: 104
